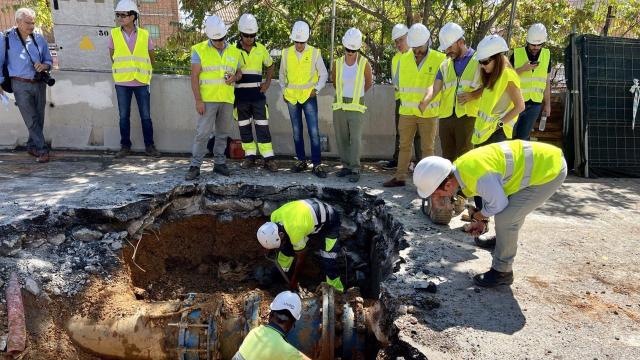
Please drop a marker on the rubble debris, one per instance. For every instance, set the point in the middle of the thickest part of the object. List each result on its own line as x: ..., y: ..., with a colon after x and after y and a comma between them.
x: 84, y: 234
x: 57, y: 240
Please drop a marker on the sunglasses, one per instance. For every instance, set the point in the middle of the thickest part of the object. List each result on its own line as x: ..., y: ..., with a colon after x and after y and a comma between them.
x: 350, y: 51
x: 122, y: 15
x: 486, y: 61
x: 250, y: 36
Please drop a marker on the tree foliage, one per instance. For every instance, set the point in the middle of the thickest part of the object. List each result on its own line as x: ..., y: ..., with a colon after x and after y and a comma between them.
x: 44, y: 20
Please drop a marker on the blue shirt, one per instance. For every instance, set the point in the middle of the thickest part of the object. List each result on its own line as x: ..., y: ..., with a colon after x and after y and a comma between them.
x: 18, y: 62
x: 459, y: 64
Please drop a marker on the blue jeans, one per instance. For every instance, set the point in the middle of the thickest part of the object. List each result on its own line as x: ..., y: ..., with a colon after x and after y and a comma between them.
x: 525, y: 122
x: 143, y: 98
x: 310, y: 108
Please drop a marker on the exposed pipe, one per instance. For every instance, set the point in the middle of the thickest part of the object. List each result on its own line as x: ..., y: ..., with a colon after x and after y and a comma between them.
x: 17, y: 339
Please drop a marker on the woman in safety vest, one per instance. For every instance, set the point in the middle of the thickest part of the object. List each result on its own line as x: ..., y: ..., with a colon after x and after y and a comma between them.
x: 352, y: 77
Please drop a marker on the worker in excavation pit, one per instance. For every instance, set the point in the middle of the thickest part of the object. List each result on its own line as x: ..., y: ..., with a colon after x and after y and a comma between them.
x: 289, y: 230
x: 267, y: 342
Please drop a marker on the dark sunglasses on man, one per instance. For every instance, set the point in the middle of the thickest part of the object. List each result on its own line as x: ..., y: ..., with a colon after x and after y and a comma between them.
x: 249, y: 36
x: 350, y: 51
x: 123, y: 15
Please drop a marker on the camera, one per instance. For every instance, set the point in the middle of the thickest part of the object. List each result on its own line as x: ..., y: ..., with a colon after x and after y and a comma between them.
x: 45, y: 77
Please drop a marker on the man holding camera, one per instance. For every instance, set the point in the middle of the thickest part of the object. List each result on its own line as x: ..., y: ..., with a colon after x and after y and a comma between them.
x: 29, y: 61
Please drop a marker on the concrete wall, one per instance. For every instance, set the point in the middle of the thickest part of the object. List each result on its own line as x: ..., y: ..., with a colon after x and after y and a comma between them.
x: 82, y: 113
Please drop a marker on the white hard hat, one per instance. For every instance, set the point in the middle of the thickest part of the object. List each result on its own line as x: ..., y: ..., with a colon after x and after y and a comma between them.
x: 268, y: 235
x: 430, y: 173
x: 127, y: 5
x: 491, y: 45
x: 215, y: 27
x: 300, y: 31
x: 419, y: 35
x: 449, y: 34
x: 287, y: 300
x: 352, y: 39
x: 537, y: 34
x: 398, y: 31
x: 248, y: 24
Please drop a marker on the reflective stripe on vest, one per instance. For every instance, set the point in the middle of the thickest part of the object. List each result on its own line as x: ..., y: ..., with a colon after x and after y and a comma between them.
x: 413, y: 82
x: 452, y: 86
x: 213, y: 87
x: 319, y: 216
x: 534, y: 82
x: 357, y: 86
x: 301, y: 74
x: 488, y: 121
x: 129, y: 66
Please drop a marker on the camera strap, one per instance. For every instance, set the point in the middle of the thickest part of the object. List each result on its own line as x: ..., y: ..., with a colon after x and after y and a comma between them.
x: 27, y: 50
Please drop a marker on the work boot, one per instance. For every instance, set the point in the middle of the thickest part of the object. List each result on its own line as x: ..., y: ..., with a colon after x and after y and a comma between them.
x: 343, y: 172
x: 393, y: 183
x: 221, y: 169
x: 124, y: 151
x: 151, y: 151
x: 493, y: 278
x: 43, y: 158
x: 299, y: 166
x: 248, y: 162
x: 354, y: 177
x: 270, y: 164
x: 193, y: 173
x: 390, y: 165
x: 319, y: 171
x: 485, y: 241
x: 33, y: 152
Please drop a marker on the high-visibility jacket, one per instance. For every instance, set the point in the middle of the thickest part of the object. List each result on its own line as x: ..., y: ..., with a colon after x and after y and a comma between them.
x: 214, y: 67
x: 127, y: 65
x: 490, y: 117
x: 252, y: 67
x: 394, y: 72
x: 413, y: 83
x: 534, y: 82
x: 266, y: 342
x: 452, y: 85
x: 301, y: 74
x: 520, y: 163
x: 300, y: 219
x: 355, y: 104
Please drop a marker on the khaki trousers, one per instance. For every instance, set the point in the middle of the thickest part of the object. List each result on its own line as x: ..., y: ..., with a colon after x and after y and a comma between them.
x: 407, y: 128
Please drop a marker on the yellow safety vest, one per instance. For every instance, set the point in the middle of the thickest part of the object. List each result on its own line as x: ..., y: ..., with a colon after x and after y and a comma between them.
x: 267, y: 343
x: 252, y: 65
x: 452, y: 86
x: 488, y: 121
x: 413, y: 83
x: 301, y: 74
x: 534, y: 82
x: 128, y: 66
x: 394, y: 72
x: 520, y: 163
x: 214, y: 67
x: 357, y: 87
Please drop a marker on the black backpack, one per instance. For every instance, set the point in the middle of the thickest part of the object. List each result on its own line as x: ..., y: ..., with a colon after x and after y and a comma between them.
x: 6, y: 84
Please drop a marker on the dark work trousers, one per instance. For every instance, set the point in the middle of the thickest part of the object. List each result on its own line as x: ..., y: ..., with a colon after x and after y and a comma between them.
x: 31, y: 99
x: 254, y: 113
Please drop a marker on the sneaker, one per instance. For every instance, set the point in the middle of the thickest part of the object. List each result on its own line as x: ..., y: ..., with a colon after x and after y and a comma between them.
x: 193, y: 173
x: 390, y: 165
x: 221, y: 169
x: 122, y: 153
x: 270, y: 165
x: 354, y: 177
x: 343, y: 172
x: 319, y: 171
x: 393, y: 183
x: 248, y: 162
x: 493, y: 278
x: 151, y: 151
x: 485, y: 241
x: 43, y: 158
x: 299, y: 166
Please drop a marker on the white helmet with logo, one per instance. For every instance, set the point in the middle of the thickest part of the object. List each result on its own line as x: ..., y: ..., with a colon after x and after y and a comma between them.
x: 215, y: 27
x: 430, y: 173
x: 491, y: 45
x: 537, y: 34
x: 300, y: 31
x: 268, y: 236
x: 419, y: 35
x: 352, y: 39
x: 127, y: 5
x: 398, y: 31
x: 449, y: 34
x: 287, y: 300
x: 248, y: 24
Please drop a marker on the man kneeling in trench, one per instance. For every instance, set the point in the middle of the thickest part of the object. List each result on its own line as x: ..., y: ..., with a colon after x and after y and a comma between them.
x: 268, y: 342
x: 289, y: 230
